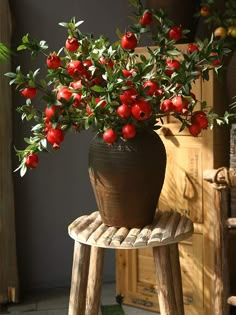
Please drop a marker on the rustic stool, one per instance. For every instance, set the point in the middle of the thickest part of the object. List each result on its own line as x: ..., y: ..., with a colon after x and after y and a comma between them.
x: 92, y: 236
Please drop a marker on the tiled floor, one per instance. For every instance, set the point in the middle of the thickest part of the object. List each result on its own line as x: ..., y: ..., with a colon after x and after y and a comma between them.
x: 55, y: 302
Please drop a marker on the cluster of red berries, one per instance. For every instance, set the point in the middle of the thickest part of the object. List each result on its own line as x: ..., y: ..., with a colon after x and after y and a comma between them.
x: 112, y: 91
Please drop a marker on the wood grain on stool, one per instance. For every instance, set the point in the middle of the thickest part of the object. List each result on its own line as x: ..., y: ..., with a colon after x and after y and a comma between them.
x: 94, y: 280
x: 168, y: 227
x: 79, y: 279
x: 176, y: 272
x: 165, y: 290
x: 163, y: 235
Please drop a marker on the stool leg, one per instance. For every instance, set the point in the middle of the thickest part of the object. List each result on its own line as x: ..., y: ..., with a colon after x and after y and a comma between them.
x: 177, y: 279
x: 95, y: 281
x: 79, y: 279
x: 166, y: 294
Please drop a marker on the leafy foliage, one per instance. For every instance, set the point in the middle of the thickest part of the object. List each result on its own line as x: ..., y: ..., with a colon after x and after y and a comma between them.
x: 221, y: 20
x: 92, y: 83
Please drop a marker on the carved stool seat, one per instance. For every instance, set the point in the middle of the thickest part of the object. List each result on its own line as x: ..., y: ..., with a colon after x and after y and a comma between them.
x: 92, y: 236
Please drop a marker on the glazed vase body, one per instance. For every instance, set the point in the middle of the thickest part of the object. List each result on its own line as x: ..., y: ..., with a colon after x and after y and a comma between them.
x: 127, y: 178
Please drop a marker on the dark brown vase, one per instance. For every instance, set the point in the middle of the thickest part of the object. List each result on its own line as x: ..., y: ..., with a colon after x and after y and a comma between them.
x: 127, y: 178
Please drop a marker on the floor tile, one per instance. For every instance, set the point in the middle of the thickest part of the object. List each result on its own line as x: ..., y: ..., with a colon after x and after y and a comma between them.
x: 56, y: 301
x: 43, y: 312
x: 22, y: 307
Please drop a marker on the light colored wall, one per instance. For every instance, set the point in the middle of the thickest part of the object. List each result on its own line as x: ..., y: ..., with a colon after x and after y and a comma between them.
x: 49, y: 198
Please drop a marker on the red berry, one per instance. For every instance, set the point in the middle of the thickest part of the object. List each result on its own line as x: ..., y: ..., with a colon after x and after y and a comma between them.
x: 200, y: 118
x: 47, y: 124
x: 87, y: 63
x: 141, y: 110
x: 166, y: 106
x: 110, y: 136
x: 106, y: 62
x: 55, y: 137
x: 77, y: 98
x: 51, y: 111
x: 129, y: 83
x: 123, y: 111
x: 152, y: 87
x: 215, y: 59
x: 192, y: 47
x: 179, y: 104
x: 75, y: 68
x: 129, y: 96
x: 128, y: 73
x: 175, y: 32
x: 32, y: 160
x: 194, y: 129
x: 53, y: 61
x: 216, y: 63
x: 128, y: 131
x: 159, y: 91
x: 102, y: 103
x: 76, y: 85
x: 193, y: 95
x: 29, y: 92
x: 129, y: 41
x: 205, y: 10
x: 64, y: 93
x: 72, y: 44
x: 146, y: 19
x: 173, y: 65
x: 88, y: 110
x: 97, y: 81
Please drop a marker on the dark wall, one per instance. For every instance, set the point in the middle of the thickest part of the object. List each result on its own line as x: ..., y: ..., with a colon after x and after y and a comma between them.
x: 49, y: 198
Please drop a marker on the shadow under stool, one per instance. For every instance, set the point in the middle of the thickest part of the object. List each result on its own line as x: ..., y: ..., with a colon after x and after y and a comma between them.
x: 91, y: 238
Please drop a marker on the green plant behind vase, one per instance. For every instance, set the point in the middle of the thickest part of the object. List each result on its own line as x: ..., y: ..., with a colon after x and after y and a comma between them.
x: 5, y: 52
x: 220, y: 19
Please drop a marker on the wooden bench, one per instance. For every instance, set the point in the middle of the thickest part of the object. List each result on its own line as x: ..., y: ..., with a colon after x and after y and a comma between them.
x: 92, y: 236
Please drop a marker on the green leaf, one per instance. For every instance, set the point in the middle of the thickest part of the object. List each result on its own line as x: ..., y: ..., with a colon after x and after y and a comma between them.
x: 77, y: 24
x: 27, y: 140
x: 10, y: 74
x: 86, y: 124
x: 5, y: 52
x: 43, y: 44
x: 22, y: 47
x: 134, y: 3
x: 203, y: 105
x: 36, y: 72
x: 119, y: 33
x: 23, y: 170
x: 97, y: 88
x: 36, y: 127
x: 43, y: 143
x: 63, y: 24
x: 25, y: 39
x: 173, y: 52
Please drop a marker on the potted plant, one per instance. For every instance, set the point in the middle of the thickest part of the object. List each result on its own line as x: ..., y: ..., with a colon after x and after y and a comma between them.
x: 124, y: 96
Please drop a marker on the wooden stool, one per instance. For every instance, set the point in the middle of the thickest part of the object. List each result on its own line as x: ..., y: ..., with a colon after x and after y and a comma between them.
x: 92, y: 237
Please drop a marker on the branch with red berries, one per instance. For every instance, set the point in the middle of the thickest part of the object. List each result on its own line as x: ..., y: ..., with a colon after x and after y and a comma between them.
x: 108, y: 87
